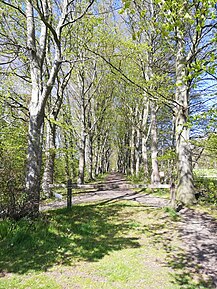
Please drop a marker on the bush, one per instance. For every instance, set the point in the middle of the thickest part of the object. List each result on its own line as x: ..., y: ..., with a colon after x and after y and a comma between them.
x: 12, y: 168
x: 207, y: 189
x: 140, y: 178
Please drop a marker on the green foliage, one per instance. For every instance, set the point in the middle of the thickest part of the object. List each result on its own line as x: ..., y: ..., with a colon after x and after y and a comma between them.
x: 207, y: 160
x: 211, y: 143
x: 5, y: 228
x: 126, y: 5
x: 12, y: 163
x: 207, y: 189
x: 172, y: 213
x: 170, y: 154
x: 139, y: 178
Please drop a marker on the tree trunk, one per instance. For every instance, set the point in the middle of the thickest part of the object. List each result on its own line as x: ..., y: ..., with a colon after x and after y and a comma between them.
x: 145, y: 156
x: 138, y: 149
x: 145, y: 137
x: 155, y: 177
x: 185, y: 190
x: 97, y: 152
x: 41, y: 90
x: 81, y: 168
x: 48, y: 175
x: 132, y: 151
x: 33, y: 166
x: 90, y: 150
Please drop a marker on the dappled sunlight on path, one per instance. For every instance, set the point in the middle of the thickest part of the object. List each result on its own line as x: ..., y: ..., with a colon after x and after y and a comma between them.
x: 198, y: 232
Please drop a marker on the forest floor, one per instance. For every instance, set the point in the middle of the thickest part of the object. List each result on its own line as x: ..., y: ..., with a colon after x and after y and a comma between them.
x: 113, y: 237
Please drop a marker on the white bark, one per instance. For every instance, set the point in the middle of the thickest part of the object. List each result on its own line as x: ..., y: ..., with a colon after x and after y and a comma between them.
x: 145, y: 135
x: 39, y: 96
x: 145, y: 156
x: 48, y: 174
x: 81, y: 168
x: 90, y: 155
x: 82, y: 146
x: 185, y: 189
x: 132, y: 151
x: 138, y: 149
x: 155, y: 177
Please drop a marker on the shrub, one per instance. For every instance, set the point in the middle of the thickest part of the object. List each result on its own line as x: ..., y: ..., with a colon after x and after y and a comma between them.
x: 207, y: 189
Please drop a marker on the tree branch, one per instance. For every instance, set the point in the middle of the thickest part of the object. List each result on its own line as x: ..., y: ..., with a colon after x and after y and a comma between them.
x: 80, y: 16
x: 14, y: 7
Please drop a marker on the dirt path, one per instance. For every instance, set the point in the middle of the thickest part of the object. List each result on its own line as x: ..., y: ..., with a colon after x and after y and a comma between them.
x: 114, y: 188
x: 198, y: 231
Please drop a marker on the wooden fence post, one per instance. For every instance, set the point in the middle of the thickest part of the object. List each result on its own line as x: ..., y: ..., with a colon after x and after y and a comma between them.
x: 69, y: 194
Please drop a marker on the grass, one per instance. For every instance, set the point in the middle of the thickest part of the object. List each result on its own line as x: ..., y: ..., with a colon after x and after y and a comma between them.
x: 212, y: 173
x: 98, y: 179
x: 210, y: 209
x: 118, y: 245
x: 162, y: 193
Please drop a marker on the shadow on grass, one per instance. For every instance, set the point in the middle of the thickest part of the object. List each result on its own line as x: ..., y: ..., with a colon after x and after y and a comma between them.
x: 191, y: 269
x: 86, y: 232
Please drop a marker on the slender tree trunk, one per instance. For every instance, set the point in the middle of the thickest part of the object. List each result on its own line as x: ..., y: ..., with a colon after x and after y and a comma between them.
x: 145, y: 137
x: 155, y: 177
x: 102, y: 155
x: 138, y: 149
x: 132, y: 151
x: 66, y: 157
x: 185, y: 190
x: 82, y: 151
x: 97, y: 157
x: 90, y: 149
x: 145, y: 156
x: 48, y: 175
x: 83, y: 120
x: 36, y: 116
x: 107, y: 160
x: 90, y: 138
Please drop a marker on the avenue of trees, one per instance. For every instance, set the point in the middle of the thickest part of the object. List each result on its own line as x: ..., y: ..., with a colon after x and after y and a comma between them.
x: 93, y: 86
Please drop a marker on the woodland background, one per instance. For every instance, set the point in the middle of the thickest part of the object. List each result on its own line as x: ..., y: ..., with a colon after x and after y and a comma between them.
x: 89, y: 87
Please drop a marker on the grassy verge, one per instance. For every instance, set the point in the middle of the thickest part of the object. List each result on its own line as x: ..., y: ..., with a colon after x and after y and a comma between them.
x: 206, y: 172
x: 121, y: 245
x: 98, y: 179
x: 209, y: 209
x: 162, y: 193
